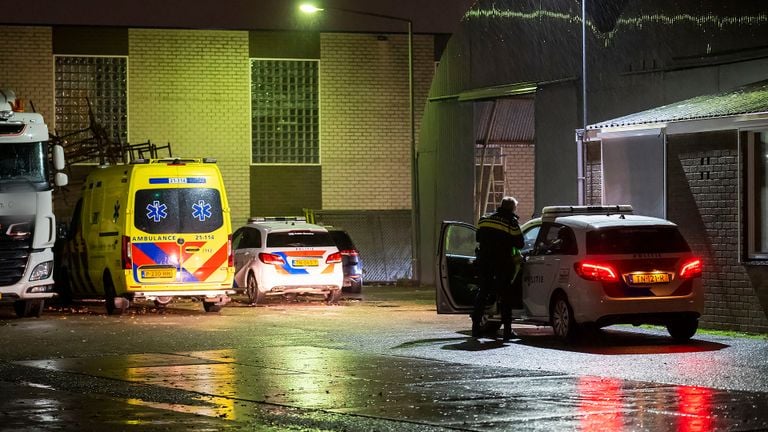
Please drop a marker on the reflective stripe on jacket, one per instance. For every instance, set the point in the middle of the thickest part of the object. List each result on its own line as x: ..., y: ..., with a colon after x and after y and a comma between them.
x: 498, y: 235
x: 498, y: 222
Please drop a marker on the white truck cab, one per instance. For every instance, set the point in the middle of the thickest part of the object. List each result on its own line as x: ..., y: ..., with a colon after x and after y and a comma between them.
x: 27, y: 222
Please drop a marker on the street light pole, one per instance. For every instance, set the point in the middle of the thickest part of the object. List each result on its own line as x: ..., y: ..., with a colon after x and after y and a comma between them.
x: 581, y: 179
x: 415, y: 219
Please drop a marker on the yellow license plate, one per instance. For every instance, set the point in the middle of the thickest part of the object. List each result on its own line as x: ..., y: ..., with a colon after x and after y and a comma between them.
x: 305, y: 263
x: 165, y: 273
x: 648, y: 278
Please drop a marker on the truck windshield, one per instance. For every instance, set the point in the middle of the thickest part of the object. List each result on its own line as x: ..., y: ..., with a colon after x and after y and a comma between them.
x: 181, y: 210
x: 24, y: 163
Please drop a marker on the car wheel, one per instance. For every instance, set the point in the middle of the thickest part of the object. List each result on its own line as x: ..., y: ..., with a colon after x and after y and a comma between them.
x: 354, y: 288
x: 334, y: 296
x: 252, y: 291
x: 211, y: 306
x: 28, y: 308
x: 682, y: 329
x: 163, y: 301
x: 561, y: 318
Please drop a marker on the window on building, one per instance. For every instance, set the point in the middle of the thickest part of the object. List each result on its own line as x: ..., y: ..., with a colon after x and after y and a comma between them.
x: 91, y: 92
x: 285, y: 125
x: 757, y: 193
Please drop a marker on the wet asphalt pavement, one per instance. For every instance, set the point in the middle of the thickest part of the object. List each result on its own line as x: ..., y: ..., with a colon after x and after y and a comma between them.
x: 385, y: 362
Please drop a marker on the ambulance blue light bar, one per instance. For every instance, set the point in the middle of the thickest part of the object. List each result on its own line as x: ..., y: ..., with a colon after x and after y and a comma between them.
x: 586, y: 210
x: 177, y: 180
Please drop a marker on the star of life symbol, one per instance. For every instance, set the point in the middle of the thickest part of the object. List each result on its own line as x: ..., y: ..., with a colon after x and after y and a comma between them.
x: 157, y: 211
x: 201, y: 211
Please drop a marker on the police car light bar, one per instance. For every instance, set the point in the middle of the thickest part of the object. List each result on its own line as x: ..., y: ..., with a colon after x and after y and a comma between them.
x: 276, y: 219
x: 582, y: 210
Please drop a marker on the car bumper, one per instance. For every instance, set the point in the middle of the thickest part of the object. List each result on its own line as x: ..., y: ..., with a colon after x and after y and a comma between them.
x: 636, y: 310
x: 301, y: 283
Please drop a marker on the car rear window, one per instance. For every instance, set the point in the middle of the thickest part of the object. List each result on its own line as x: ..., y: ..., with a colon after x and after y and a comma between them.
x: 181, y: 210
x: 632, y: 240
x: 342, y: 239
x: 299, y: 238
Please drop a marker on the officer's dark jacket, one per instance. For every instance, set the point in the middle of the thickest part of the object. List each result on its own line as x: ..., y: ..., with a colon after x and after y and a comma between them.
x: 497, y: 234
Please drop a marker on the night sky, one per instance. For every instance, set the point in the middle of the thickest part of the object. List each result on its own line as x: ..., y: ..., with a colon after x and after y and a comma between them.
x: 428, y: 16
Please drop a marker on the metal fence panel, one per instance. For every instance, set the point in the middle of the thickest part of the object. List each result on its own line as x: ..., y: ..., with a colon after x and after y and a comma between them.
x: 383, y: 239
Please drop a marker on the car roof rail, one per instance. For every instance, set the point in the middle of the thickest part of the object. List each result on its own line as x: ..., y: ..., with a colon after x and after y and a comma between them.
x: 552, y: 211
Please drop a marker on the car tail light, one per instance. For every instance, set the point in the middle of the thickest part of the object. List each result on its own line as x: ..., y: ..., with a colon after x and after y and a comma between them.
x: 125, y: 253
x: 230, y: 255
x: 268, y: 258
x: 596, y: 271
x: 348, y: 252
x: 333, y: 258
x: 691, y: 269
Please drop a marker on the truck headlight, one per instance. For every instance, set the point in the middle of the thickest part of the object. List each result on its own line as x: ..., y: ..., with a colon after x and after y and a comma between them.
x: 41, y: 271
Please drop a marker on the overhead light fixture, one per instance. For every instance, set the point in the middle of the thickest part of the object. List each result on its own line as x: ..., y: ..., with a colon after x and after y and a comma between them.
x: 308, y: 8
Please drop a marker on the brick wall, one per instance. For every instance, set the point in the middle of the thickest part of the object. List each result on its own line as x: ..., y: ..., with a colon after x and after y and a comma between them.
x: 26, y: 67
x: 703, y: 201
x: 593, y: 175
x: 518, y: 175
x: 365, y: 121
x: 191, y: 88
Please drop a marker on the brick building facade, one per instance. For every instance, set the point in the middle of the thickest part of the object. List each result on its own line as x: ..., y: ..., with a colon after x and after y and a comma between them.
x: 192, y: 88
x: 712, y: 171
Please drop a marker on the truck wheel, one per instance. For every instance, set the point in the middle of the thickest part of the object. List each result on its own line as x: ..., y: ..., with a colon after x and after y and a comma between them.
x: 211, y: 306
x: 64, y: 288
x: 115, y: 305
x: 29, y: 308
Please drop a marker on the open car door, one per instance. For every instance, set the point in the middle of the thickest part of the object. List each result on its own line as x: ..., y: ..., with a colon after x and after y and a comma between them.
x: 457, y: 280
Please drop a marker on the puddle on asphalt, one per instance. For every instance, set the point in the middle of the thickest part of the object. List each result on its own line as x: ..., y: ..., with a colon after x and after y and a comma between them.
x: 228, y: 383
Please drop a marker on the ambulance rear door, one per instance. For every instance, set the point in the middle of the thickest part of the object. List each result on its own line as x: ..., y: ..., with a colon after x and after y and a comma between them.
x: 181, y: 234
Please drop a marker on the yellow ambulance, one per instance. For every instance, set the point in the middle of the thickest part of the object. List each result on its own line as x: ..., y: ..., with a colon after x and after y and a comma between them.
x: 150, y: 230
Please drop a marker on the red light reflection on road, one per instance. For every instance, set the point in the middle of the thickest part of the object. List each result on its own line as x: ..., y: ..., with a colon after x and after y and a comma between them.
x: 605, y: 405
x: 601, y: 404
x: 694, y: 408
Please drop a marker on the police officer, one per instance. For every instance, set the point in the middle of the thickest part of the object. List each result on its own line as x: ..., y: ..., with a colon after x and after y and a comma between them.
x: 499, y: 238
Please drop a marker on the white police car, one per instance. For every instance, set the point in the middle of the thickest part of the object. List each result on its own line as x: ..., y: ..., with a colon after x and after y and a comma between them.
x: 286, y: 256
x: 586, y: 265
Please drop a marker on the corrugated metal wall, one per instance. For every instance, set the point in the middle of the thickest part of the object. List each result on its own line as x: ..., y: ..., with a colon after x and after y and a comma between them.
x: 382, y: 237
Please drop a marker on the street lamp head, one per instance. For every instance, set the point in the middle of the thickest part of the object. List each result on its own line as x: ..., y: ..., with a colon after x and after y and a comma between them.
x: 309, y: 9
